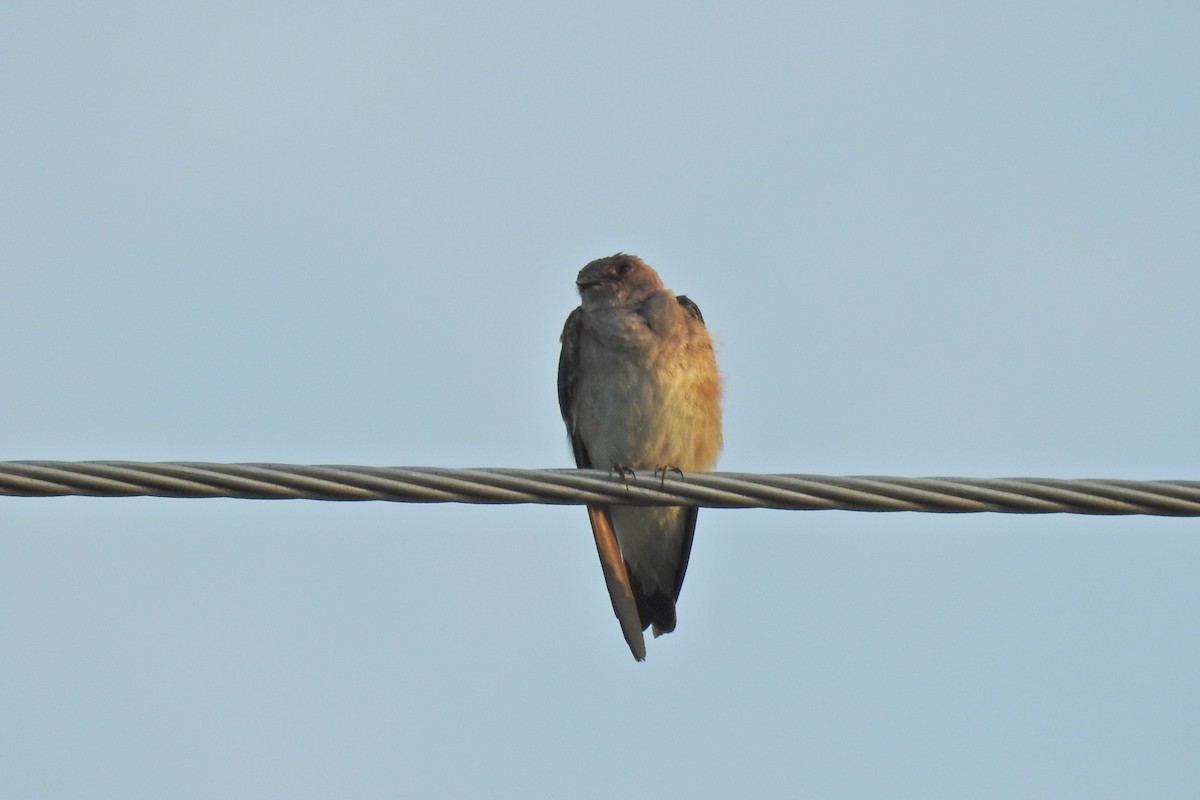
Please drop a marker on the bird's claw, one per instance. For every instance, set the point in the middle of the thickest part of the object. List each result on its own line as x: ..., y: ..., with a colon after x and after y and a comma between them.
x: 624, y: 472
x: 661, y: 474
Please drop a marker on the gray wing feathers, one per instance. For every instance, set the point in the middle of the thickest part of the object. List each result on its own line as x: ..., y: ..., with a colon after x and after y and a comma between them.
x: 616, y: 574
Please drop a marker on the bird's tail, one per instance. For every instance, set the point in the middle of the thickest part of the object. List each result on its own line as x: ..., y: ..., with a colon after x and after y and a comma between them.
x: 657, y: 610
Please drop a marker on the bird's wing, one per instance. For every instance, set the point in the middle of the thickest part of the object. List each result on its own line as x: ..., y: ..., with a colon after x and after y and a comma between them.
x: 568, y: 382
x: 689, y: 522
x: 691, y: 308
x: 616, y: 576
x: 685, y: 553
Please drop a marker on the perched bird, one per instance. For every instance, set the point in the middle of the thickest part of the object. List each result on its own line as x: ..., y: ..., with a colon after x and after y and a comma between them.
x: 638, y: 388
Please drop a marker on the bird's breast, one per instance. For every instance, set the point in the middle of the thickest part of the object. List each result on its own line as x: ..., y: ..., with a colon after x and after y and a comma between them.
x: 649, y: 407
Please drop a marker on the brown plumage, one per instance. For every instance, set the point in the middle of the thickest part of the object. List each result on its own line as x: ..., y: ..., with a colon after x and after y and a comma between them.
x: 639, y: 390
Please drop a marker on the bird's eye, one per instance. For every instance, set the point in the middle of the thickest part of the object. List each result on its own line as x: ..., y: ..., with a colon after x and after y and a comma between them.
x: 624, y: 267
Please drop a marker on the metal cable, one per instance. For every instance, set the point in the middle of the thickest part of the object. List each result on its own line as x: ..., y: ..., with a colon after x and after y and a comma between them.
x: 577, y: 486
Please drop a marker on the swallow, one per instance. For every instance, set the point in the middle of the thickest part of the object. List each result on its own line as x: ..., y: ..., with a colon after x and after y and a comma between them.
x: 638, y: 389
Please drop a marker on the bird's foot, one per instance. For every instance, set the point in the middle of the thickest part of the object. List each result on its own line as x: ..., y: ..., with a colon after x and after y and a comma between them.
x: 661, y: 474
x: 625, y: 472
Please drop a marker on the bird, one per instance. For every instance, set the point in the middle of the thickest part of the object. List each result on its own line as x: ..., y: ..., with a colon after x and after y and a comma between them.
x: 639, y: 389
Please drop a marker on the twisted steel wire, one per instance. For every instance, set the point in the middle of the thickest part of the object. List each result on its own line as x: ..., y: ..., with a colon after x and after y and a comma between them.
x: 577, y: 486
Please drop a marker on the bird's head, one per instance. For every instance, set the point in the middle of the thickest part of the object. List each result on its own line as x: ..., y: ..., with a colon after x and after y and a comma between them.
x: 619, y: 280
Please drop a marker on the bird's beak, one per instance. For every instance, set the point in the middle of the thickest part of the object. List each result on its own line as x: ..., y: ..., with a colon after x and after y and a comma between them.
x: 584, y: 283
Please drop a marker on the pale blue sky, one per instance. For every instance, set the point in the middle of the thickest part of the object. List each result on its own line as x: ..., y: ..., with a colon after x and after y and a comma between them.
x: 931, y: 239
